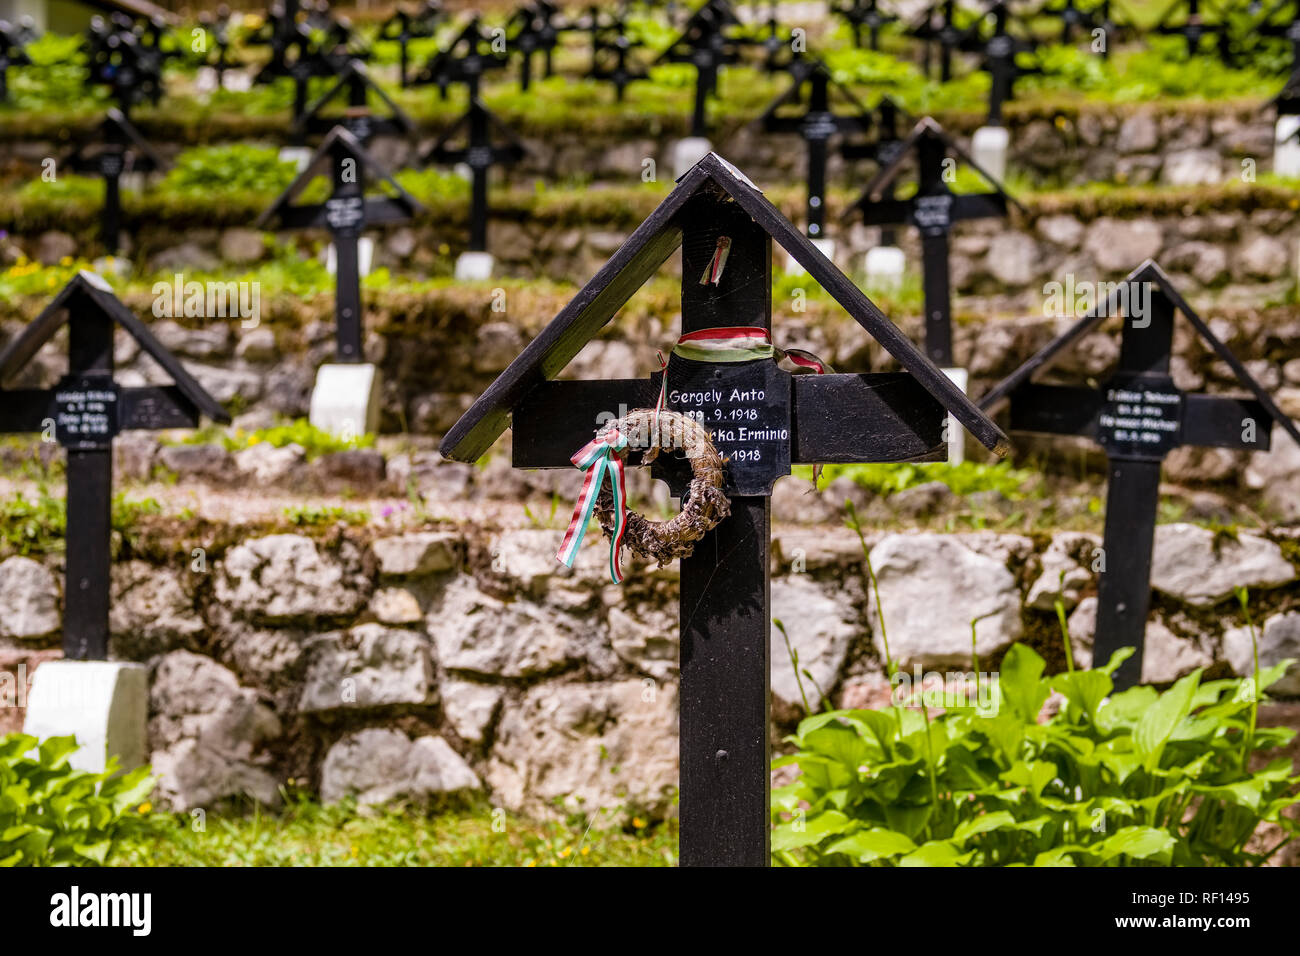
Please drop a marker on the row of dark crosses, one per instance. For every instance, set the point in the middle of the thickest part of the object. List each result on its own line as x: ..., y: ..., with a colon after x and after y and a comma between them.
x: 83, y: 412
x: 708, y: 43
x: 534, y: 29
x: 1137, y: 417
x: 890, y: 124
x: 127, y: 58
x: 469, y: 56
x: 1076, y: 19
x: 13, y: 38
x: 1184, y: 18
x: 725, y: 599
x: 940, y: 37
x: 116, y: 148
x: 355, y: 85
x: 611, y: 51
x: 403, y: 27
x: 816, y: 123
x: 864, y: 15
x: 346, y: 214
x: 217, y: 25
x: 477, y: 138
x: 933, y: 210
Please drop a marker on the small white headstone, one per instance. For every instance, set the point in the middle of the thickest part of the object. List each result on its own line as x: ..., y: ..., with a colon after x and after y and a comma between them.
x: 205, y: 80
x: 104, y: 704
x: 956, y: 433
x: 365, y: 257
x: 1286, y: 149
x: 237, y: 81
x: 884, y: 268
x: 989, y: 148
x: 474, y: 266
x: 300, y: 156
x: 827, y: 247
x: 345, y: 401
x: 688, y: 152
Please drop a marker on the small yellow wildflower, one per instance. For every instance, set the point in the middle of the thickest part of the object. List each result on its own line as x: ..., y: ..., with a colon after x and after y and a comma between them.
x: 638, y: 822
x: 566, y: 852
x: 145, y: 807
x: 586, y: 851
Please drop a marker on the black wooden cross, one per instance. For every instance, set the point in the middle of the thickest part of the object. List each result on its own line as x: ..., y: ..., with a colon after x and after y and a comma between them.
x: 298, y: 57
x: 84, y: 412
x: 763, y: 419
x: 1194, y: 28
x: 347, y: 213
x: 403, y: 27
x: 470, y: 140
x: 1076, y: 19
x: 883, y: 148
x: 218, y: 26
x: 705, y: 44
x: 466, y: 59
x: 933, y: 210
x: 359, y: 118
x: 1137, y: 417
x: 936, y: 28
x: 533, y: 29
x: 998, y: 52
x: 117, y: 148
x: 13, y: 37
x: 1288, y: 101
x: 864, y: 15
x: 117, y: 58
x: 815, y: 125
x: 611, y: 50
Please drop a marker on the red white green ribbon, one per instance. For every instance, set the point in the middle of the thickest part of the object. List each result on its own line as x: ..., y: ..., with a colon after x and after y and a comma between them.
x: 737, y: 343
x: 598, y: 457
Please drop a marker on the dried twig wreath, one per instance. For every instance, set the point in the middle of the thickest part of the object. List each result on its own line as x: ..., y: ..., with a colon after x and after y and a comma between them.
x: 703, y: 507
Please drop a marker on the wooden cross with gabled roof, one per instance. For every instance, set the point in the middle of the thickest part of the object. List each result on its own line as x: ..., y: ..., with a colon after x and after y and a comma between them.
x: 359, y: 118
x: 933, y: 210
x: 1138, y: 416
x: 346, y: 214
x: 84, y: 412
x: 725, y: 607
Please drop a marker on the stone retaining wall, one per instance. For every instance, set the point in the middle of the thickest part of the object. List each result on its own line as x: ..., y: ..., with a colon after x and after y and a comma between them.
x: 465, y: 660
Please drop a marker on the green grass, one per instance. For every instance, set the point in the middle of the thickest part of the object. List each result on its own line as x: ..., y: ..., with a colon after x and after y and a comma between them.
x: 306, y: 833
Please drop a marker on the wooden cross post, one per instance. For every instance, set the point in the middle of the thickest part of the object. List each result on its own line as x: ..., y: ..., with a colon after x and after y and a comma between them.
x: 118, y: 148
x: 1194, y: 28
x: 762, y: 419
x: 403, y: 27
x: 998, y: 53
x: 611, y: 49
x: 866, y: 14
x: 359, y: 118
x: 12, y: 39
x: 935, y: 28
x: 1137, y: 418
x: 467, y: 58
x: 83, y: 413
x: 933, y: 210
x: 704, y: 44
x: 347, y: 213
x: 883, y: 149
x: 815, y: 126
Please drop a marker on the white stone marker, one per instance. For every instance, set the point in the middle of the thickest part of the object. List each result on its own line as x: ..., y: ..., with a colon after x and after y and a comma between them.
x: 956, y: 433
x: 474, y: 266
x: 989, y: 148
x: 365, y: 256
x: 300, y: 156
x: 827, y: 247
x: 884, y: 268
x: 104, y: 704
x: 1286, y: 149
x: 345, y: 401
x: 688, y: 152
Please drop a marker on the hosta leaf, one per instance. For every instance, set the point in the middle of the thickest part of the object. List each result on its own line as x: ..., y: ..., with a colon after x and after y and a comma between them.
x: 1021, y: 684
x: 55, y: 750
x: 936, y: 853
x: 868, y: 845
x: 982, y: 824
x: 810, y: 831
x: 1141, y: 843
x: 1157, y: 724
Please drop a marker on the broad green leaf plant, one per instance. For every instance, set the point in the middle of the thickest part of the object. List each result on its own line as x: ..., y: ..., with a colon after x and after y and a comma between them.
x: 1110, y: 779
x: 52, y: 814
